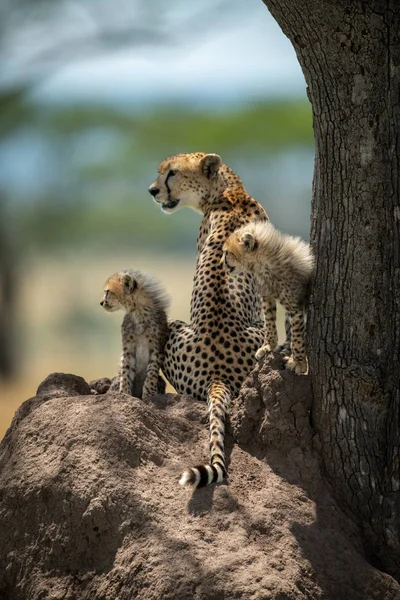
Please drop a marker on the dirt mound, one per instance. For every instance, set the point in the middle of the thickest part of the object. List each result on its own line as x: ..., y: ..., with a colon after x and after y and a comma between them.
x: 90, y: 507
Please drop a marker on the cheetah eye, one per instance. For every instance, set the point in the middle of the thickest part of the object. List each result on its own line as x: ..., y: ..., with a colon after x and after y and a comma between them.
x: 171, y: 173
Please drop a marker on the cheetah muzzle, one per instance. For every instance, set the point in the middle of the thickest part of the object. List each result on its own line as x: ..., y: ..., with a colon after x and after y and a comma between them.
x: 170, y: 205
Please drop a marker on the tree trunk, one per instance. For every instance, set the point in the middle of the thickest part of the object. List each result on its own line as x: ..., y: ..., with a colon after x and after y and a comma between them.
x: 350, y: 55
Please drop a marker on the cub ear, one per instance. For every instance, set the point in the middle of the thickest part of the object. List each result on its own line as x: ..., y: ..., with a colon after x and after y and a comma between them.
x: 248, y: 241
x: 210, y: 164
x: 128, y: 282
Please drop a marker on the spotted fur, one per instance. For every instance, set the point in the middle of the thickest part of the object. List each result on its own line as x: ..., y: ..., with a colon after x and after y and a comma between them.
x: 209, y: 358
x: 282, y: 266
x: 144, y: 329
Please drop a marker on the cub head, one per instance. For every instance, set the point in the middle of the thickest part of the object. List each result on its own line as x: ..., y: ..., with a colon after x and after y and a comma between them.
x: 239, y: 252
x: 187, y: 180
x: 119, y: 291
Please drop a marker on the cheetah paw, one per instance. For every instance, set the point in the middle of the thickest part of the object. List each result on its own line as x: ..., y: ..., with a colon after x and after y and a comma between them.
x: 299, y: 367
x: 261, y: 352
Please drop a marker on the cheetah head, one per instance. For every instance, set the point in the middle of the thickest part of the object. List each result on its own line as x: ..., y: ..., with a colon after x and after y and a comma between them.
x: 239, y: 252
x: 118, y: 292
x: 187, y: 180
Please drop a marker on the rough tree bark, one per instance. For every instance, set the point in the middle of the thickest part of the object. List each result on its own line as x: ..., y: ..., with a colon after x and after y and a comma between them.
x: 350, y: 55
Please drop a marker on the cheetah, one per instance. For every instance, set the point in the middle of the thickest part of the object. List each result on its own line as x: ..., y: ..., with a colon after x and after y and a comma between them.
x: 144, y: 330
x: 209, y: 358
x: 282, y: 266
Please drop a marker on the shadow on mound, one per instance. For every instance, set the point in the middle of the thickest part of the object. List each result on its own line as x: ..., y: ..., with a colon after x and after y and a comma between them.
x: 272, y: 421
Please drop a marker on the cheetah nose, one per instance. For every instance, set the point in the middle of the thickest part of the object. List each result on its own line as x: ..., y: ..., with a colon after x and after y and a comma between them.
x: 153, y: 191
x: 102, y: 303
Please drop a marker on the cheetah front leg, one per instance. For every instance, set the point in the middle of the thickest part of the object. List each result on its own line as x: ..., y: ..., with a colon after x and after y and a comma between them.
x: 285, y: 348
x: 127, y: 370
x: 298, y: 360
x: 270, y: 334
x: 150, y: 386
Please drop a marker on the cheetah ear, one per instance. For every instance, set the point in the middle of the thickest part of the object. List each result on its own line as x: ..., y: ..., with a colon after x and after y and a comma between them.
x: 210, y: 164
x: 248, y: 241
x: 128, y: 282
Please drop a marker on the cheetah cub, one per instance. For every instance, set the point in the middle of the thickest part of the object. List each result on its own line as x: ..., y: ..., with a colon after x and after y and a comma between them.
x: 144, y: 329
x: 282, y: 267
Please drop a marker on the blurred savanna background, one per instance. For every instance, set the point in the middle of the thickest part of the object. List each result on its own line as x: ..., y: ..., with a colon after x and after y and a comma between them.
x: 93, y: 95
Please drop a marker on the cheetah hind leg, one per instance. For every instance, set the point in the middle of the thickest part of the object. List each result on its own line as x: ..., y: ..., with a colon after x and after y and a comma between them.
x: 270, y: 332
x: 152, y: 380
x: 285, y: 348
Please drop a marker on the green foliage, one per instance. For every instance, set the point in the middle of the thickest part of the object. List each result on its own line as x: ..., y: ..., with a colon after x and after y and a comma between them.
x: 271, y: 125
x: 107, y: 158
x: 15, y: 110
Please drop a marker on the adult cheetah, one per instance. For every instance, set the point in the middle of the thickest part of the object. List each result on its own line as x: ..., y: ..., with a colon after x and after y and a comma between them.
x: 210, y: 358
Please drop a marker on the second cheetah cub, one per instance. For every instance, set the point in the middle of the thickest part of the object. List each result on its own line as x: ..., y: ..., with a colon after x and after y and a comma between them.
x: 144, y: 329
x: 282, y: 266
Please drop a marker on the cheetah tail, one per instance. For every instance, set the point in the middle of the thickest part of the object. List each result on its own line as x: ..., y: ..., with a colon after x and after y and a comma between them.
x: 218, y: 398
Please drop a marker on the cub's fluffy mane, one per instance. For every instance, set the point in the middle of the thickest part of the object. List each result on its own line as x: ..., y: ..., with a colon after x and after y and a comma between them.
x: 160, y: 298
x: 276, y: 248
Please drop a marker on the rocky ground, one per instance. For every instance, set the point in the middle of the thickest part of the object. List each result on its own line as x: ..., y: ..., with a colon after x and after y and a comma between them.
x: 90, y: 507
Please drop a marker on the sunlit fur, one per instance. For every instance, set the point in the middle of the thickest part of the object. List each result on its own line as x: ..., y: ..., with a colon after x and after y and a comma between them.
x: 144, y: 329
x: 189, y: 180
x: 117, y: 296
x: 210, y: 358
x: 282, y: 266
x: 259, y: 243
